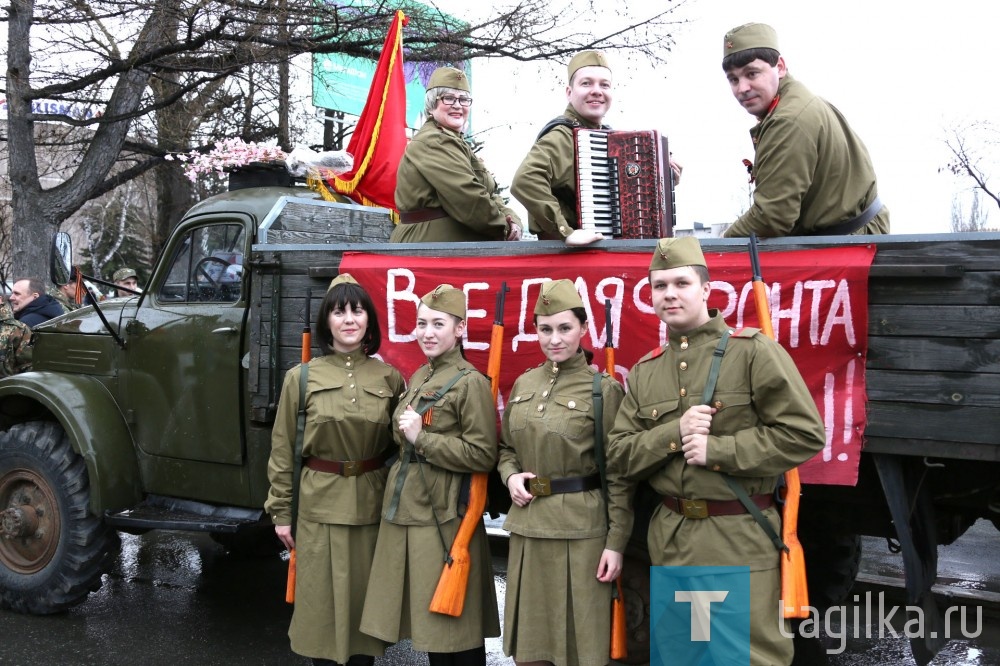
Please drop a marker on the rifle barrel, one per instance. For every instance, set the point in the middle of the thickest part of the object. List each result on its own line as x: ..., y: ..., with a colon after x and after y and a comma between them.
x: 754, y: 258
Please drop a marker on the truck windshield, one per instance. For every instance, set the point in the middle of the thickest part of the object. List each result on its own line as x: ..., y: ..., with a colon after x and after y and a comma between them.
x: 207, y: 266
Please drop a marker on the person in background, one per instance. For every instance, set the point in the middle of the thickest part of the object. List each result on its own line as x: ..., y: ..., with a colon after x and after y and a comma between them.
x: 15, y: 342
x: 545, y: 182
x: 443, y: 190
x: 760, y: 423
x: 567, y: 541
x: 812, y: 174
x: 125, y: 277
x: 67, y: 296
x: 453, y: 435
x: 31, y: 303
x: 348, y: 401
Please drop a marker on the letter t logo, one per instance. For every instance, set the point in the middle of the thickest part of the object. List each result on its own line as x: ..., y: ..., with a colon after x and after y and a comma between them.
x: 701, y: 610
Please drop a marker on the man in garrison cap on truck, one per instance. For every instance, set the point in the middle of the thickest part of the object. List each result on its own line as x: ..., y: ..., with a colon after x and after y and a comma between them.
x: 812, y: 175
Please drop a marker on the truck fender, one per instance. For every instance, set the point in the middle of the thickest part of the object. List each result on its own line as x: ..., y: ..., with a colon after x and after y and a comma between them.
x: 87, y: 411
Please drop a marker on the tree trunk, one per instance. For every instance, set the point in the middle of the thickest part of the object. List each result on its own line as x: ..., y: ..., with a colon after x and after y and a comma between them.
x: 37, y: 212
x: 174, y: 197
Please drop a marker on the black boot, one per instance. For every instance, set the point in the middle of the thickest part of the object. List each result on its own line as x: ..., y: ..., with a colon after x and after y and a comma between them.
x: 473, y: 657
x: 361, y: 660
x: 323, y: 662
x: 439, y: 658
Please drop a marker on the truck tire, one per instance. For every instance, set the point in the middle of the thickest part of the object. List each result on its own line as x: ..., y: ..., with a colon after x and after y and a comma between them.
x: 832, y: 563
x: 53, y: 552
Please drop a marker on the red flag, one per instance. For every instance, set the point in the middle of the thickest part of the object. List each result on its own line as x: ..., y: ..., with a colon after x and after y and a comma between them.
x: 380, y: 136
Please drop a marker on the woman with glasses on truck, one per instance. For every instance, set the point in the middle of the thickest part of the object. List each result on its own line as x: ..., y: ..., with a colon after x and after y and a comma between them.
x: 443, y: 190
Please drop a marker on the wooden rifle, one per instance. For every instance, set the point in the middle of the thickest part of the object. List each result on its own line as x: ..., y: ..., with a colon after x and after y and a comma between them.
x: 794, y: 588
x: 449, y: 596
x: 619, y: 630
x: 297, y: 455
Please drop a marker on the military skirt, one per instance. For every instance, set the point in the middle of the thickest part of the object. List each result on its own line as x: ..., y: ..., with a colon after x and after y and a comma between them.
x: 405, y: 571
x: 333, y: 563
x: 556, y: 610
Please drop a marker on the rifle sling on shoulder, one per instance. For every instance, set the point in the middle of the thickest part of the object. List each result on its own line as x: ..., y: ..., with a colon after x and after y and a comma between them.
x: 599, y: 457
x: 734, y: 485
x: 300, y: 428
x: 599, y: 443
x: 404, y: 461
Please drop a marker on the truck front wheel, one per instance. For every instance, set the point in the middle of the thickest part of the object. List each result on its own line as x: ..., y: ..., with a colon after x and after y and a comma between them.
x: 53, y: 552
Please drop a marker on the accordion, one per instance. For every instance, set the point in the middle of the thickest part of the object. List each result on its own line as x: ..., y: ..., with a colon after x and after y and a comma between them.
x: 624, y: 185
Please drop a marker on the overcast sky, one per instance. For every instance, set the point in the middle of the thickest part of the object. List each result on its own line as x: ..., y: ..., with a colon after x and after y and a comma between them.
x: 900, y: 72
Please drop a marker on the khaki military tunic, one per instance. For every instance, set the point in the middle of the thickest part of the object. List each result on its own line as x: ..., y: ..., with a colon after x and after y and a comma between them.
x: 766, y: 424
x: 349, y: 399
x: 439, y: 170
x: 811, y: 171
x: 458, y: 437
x: 556, y: 610
x: 15, y: 343
x: 545, y: 183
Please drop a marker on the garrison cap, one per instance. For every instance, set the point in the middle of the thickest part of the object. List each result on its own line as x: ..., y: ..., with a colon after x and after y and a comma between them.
x: 446, y: 298
x: 677, y: 252
x: 448, y: 77
x: 749, y: 36
x: 343, y: 278
x: 587, y: 59
x: 557, y: 296
x: 122, y: 274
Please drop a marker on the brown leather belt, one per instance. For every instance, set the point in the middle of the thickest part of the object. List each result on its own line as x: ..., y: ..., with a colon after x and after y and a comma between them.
x: 346, y: 467
x: 541, y: 486
x: 698, y: 509
x: 421, y: 215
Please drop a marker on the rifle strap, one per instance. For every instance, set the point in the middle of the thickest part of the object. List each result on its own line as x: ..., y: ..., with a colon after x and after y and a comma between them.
x: 734, y: 485
x: 562, y: 121
x: 616, y: 590
x: 404, y: 459
x: 599, y: 443
x: 300, y: 429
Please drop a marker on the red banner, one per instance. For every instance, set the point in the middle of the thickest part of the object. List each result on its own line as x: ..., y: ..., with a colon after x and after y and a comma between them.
x: 819, y: 310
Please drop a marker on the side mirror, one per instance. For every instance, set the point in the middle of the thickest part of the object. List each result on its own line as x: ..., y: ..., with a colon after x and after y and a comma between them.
x: 61, y: 259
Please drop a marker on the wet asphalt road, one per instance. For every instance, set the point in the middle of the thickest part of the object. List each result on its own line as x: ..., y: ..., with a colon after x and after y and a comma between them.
x: 180, y: 598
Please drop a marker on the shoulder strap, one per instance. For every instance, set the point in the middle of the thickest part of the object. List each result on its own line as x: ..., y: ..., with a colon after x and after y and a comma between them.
x: 562, y: 121
x: 300, y: 428
x: 713, y: 373
x: 738, y: 490
x: 404, y: 458
x: 437, y: 395
x: 599, y: 442
x: 559, y: 121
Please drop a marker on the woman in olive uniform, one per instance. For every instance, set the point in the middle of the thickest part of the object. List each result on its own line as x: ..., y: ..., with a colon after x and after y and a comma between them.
x: 421, y: 515
x: 444, y: 192
x: 566, y: 543
x: 349, y: 398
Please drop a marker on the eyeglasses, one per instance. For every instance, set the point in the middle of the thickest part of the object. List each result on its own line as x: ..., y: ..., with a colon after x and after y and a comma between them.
x: 449, y: 100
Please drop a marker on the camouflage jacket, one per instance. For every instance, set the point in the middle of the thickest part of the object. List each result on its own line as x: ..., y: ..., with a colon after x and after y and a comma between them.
x: 15, y: 343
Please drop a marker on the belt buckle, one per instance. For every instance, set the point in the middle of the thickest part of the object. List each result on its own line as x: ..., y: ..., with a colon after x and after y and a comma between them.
x: 540, y: 486
x: 352, y: 468
x: 695, y: 509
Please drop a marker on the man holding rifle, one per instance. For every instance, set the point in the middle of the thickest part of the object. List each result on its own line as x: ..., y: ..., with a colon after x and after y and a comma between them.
x: 760, y: 422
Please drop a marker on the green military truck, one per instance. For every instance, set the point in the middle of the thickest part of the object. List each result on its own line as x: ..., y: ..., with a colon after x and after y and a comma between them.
x: 155, y: 413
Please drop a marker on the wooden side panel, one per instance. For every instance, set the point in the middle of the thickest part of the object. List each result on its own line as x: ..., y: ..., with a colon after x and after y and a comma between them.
x: 933, y: 371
